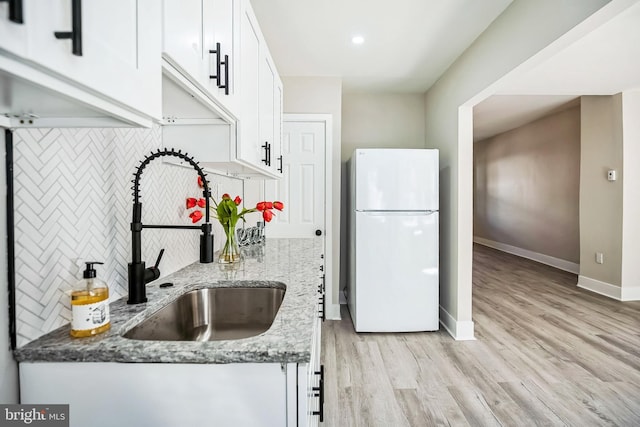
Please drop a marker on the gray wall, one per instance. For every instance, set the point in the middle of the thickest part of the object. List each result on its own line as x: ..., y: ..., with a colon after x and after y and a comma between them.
x: 376, y: 120
x: 514, y: 37
x: 631, y: 196
x: 609, y: 210
x: 322, y: 95
x: 527, y: 186
x: 600, y: 200
x: 8, y: 366
x: 381, y: 121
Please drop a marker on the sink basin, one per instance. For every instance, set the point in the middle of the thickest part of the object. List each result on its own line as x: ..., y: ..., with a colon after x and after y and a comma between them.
x: 212, y: 314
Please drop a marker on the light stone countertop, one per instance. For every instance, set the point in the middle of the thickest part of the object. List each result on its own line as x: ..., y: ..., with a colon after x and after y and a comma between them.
x: 293, y: 262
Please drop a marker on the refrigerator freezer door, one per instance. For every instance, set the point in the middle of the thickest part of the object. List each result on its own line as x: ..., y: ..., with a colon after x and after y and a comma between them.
x: 396, y: 179
x: 396, y: 276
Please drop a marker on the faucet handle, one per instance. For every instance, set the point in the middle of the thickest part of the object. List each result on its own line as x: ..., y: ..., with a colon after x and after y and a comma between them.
x: 152, y: 273
x: 159, y: 258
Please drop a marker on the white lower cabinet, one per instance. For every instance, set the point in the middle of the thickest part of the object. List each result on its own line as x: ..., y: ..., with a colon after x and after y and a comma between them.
x: 176, y: 394
x: 314, y: 387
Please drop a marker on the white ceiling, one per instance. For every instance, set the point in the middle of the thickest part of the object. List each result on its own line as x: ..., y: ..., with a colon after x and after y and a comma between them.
x: 501, y: 113
x: 408, y: 44
x: 604, y: 62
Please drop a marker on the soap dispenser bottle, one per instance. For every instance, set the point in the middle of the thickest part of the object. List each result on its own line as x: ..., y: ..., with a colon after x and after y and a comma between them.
x: 89, y: 304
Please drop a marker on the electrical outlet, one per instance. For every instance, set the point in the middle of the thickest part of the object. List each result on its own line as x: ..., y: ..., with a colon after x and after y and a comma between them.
x: 599, y: 258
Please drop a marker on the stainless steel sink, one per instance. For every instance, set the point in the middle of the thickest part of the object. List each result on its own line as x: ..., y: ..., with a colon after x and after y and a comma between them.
x: 212, y: 314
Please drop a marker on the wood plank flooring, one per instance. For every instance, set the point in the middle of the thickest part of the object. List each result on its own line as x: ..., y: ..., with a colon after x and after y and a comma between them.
x: 547, y: 353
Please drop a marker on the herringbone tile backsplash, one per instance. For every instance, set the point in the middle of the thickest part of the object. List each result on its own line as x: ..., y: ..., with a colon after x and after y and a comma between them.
x: 73, y: 204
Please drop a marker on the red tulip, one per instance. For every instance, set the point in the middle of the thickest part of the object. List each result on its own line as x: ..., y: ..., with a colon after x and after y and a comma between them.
x: 267, y: 215
x: 195, y: 216
x: 191, y: 202
x: 268, y: 205
x: 200, y: 183
x: 202, y: 202
x: 226, y: 196
x: 261, y: 206
x: 278, y: 205
x: 237, y: 200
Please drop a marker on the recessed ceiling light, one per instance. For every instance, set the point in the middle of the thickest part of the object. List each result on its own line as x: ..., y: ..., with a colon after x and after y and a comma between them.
x: 357, y: 40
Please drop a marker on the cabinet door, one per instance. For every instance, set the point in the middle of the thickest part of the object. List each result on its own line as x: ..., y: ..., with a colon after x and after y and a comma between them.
x: 183, y: 35
x: 267, y: 105
x: 277, y: 127
x: 120, y: 46
x: 13, y: 35
x: 219, y: 28
x: 248, y: 139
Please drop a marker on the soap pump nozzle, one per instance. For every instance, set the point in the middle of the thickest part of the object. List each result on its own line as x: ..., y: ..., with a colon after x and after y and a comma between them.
x: 90, y: 272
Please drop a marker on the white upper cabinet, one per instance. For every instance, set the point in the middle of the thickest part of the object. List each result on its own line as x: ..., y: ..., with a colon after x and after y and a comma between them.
x: 222, y: 44
x: 266, y: 115
x: 215, y: 51
x: 270, y: 122
x: 13, y: 32
x: 277, y: 125
x: 183, y: 37
x: 104, y: 54
x: 261, y: 102
x: 198, y: 41
x: 119, y: 47
x: 249, y: 143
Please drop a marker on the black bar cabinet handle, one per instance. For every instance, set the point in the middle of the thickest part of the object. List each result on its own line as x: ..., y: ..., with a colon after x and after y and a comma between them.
x: 269, y: 153
x: 216, y: 52
x: 266, y: 153
x: 280, y: 160
x: 225, y: 86
x: 76, y: 30
x: 15, y: 11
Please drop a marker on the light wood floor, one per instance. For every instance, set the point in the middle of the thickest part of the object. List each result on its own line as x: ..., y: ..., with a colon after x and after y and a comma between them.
x: 547, y: 353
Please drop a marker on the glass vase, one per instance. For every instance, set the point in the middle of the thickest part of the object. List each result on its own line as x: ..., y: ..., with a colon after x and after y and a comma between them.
x: 230, y: 252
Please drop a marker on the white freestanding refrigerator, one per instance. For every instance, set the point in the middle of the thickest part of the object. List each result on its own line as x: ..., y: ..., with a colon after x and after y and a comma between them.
x: 393, y: 253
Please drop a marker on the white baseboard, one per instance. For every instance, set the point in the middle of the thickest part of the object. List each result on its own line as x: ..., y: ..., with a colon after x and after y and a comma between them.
x: 332, y: 312
x: 459, y: 330
x: 631, y: 293
x: 599, y: 287
x: 558, y: 263
x: 609, y: 290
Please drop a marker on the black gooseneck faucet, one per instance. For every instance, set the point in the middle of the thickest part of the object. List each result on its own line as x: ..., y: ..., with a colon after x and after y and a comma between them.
x: 139, y: 275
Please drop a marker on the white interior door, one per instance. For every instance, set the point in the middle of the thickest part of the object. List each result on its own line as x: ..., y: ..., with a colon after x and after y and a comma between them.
x: 302, y: 186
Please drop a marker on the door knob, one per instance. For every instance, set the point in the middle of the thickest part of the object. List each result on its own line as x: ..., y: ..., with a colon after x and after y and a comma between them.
x: 318, y: 232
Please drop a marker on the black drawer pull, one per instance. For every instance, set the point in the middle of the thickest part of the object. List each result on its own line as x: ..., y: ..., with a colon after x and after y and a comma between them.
x: 76, y: 30
x: 320, y: 390
x: 15, y: 11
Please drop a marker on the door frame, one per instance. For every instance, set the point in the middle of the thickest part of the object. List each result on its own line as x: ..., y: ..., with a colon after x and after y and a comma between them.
x: 332, y: 311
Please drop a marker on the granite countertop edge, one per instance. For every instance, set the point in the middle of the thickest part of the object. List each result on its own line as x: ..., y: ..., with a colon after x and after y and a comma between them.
x: 293, y: 263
